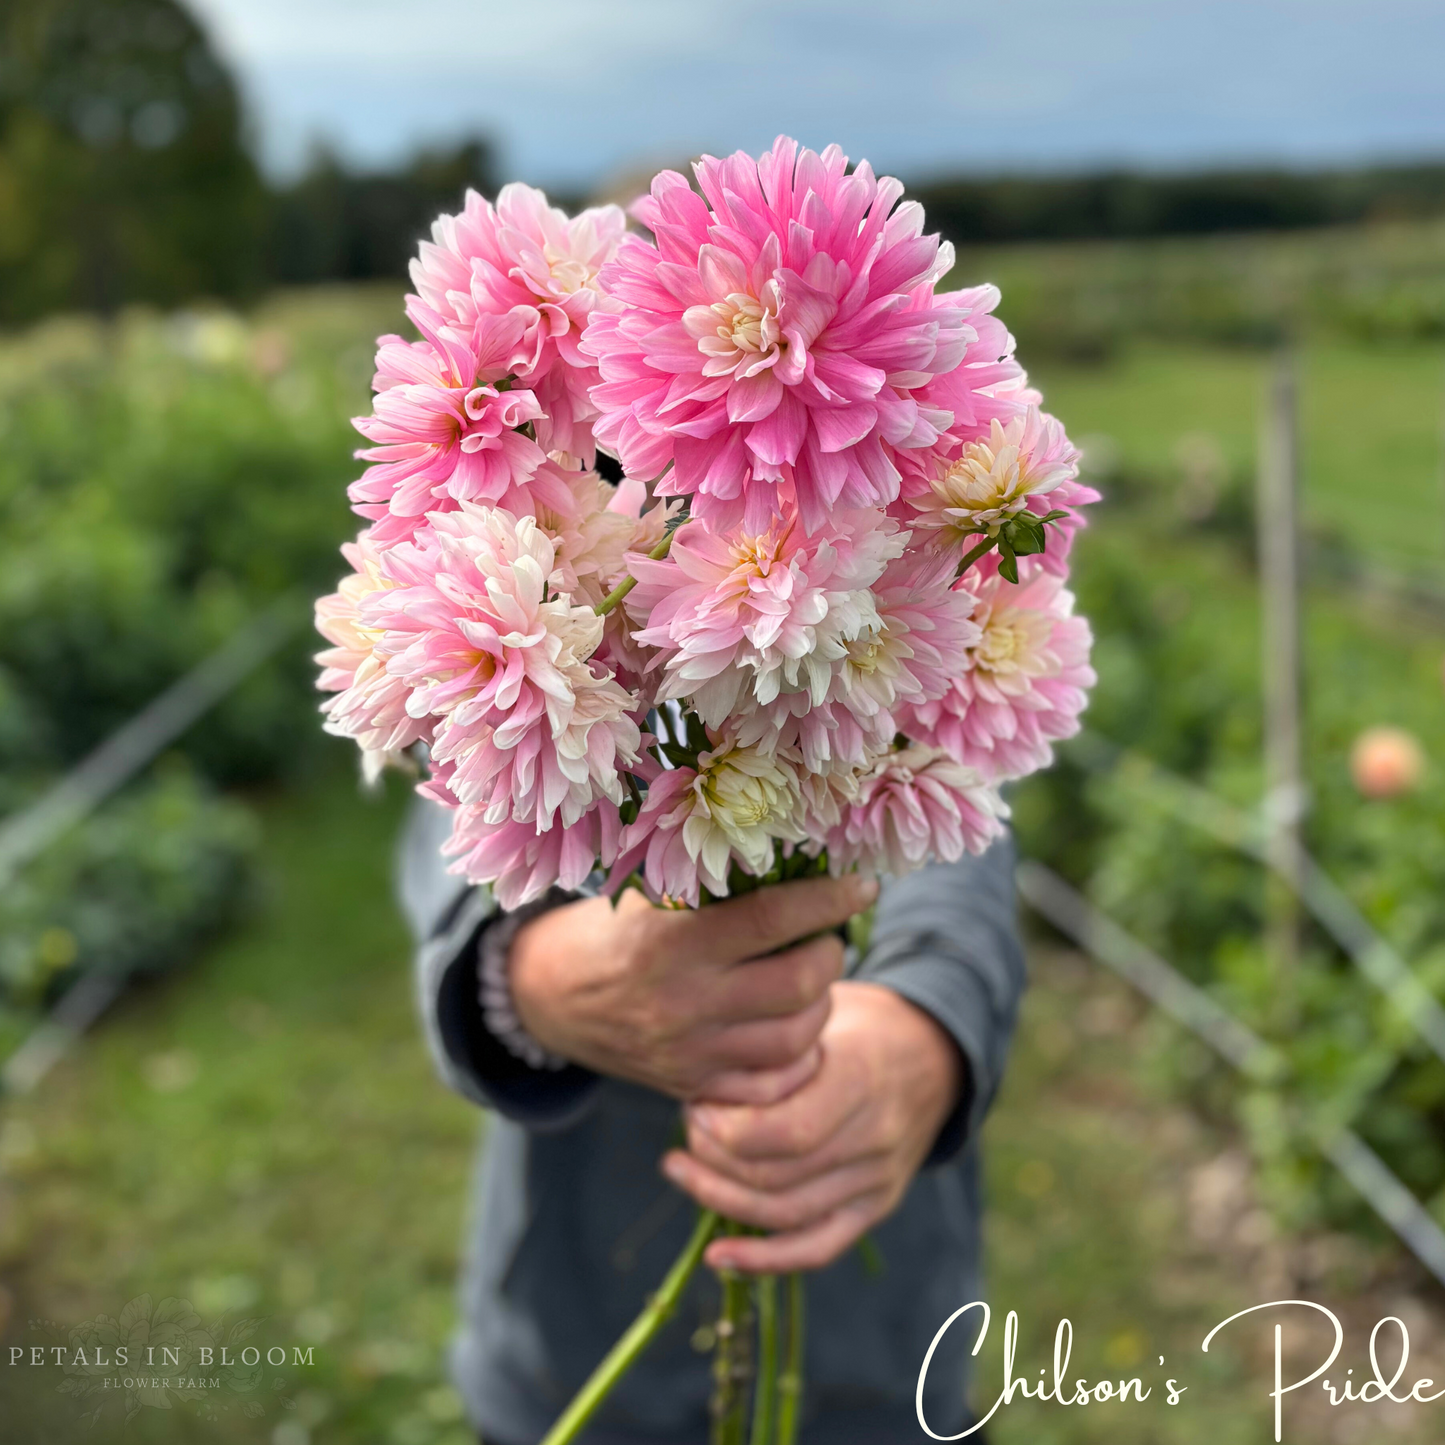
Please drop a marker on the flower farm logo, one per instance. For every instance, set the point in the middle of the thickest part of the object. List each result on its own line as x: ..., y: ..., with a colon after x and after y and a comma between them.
x: 159, y: 1356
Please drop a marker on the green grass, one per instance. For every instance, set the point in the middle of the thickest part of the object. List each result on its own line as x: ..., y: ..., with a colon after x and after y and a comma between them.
x: 1380, y: 281
x: 1372, y: 429
x: 264, y: 1137
x: 1117, y: 1208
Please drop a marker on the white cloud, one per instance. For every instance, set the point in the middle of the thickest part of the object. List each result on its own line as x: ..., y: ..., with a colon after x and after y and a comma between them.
x: 576, y: 89
x: 448, y: 35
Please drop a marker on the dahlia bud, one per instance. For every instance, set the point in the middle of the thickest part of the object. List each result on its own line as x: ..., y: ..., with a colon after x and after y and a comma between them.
x: 1386, y: 761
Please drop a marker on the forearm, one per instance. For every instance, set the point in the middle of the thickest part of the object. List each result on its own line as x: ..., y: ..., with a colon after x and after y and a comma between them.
x: 947, y: 940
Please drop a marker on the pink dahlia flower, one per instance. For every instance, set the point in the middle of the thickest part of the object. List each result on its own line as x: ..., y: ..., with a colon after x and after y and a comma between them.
x: 520, y: 863
x: 369, y: 703
x: 915, y: 804
x: 592, y: 523
x: 915, y: 631
x: 694, y: 824
x: 525, y: 728
x: 912, y: 652
x: 987, y: 384
x: 1017, y: 464
x: 526, y: 259
x: 444, y: 431
x: 830, y: 739
x: 740, y: 618
x: 769, y: 345
x: 1022, y: 685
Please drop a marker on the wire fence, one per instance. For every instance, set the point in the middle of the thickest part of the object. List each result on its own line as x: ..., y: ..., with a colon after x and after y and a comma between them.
x: 94, y: 779
x: 121, y: 756
x: 1188, y: 1005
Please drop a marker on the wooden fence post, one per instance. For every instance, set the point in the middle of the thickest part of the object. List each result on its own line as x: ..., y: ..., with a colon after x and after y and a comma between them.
x: 1279, y: 584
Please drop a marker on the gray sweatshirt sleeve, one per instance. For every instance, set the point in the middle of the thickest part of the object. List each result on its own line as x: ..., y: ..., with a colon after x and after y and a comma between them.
x: 447, y: 916
x: 947, y: 939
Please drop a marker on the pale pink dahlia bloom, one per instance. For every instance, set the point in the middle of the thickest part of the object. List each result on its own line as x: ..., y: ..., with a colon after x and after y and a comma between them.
x: 590, y: 530
x: 740, y: 618
x: 769, y: 344
x: 369, y: 703
x: 444, y: 432
x: 1021, y: 686
x: 924, y: 627
x: 916, y: 631
x: 824, y: 793
x: 915, y: 804
x: 695, y: 823
x: 829, y: 739
x: 520, y: 863
x: 526, y: 259
x: 525, y: 728
x: 994, y: 478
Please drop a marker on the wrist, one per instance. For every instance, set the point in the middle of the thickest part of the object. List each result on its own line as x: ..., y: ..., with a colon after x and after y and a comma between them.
x: 498, y: 981
x: 916, y: 1052
x: 531, y: 975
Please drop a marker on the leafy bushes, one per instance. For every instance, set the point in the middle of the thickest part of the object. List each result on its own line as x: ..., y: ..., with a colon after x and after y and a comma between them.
x: 1173, y: 601
x: 161, y: 481
x: 134, y: 891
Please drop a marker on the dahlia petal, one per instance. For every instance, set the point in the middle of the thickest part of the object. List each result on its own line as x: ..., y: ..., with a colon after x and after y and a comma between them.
x: 754, y: 398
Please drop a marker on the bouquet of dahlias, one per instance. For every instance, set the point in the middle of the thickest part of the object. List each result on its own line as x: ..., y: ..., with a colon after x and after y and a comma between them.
x: 818, y: 621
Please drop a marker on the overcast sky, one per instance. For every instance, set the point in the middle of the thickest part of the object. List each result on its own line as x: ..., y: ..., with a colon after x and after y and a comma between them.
x: 575, y: 91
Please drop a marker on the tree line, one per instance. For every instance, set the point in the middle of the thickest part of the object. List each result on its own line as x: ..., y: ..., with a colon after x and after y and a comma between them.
x: 126, y: 176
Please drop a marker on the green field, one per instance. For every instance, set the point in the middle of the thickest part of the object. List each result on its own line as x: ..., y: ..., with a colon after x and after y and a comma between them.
x: 261, y: 1133
x: 263, y: 1137
x: 1372, y: 419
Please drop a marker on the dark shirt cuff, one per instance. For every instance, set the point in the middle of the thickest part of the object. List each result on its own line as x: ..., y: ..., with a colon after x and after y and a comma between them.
x: 474, y: 1061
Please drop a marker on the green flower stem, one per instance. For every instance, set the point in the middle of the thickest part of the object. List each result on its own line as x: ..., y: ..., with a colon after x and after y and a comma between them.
x: 765, y: 1390
x: 973, y: 556
x: 790, y: 1382
x: 639, y: 1335
x: 628, y: 583
x: 731, y: 1365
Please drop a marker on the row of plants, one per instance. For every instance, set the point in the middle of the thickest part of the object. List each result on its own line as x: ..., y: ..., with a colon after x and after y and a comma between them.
x: 1172, y: 593
x: 162, y: 480
x: 1086, y: 301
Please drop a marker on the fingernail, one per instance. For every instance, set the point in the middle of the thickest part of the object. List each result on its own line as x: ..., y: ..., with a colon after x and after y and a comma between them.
x: 865, y: 890
x: 704, y: 1116
x: 674, y: 1168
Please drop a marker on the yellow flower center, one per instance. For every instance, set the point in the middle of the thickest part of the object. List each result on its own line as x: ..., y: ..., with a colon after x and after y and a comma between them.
x: 756, y: 556
x: 999, y: 647
x: 1013, y: 640
x: 747, y: 322
x: 568, y: 273
x: 746, y: 802
x: 866, y: 653
x: 484, y: 664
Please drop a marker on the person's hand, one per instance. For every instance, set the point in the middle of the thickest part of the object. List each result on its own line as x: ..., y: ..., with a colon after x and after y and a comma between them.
x: 826, y: 1163
x: 689, y: 1002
